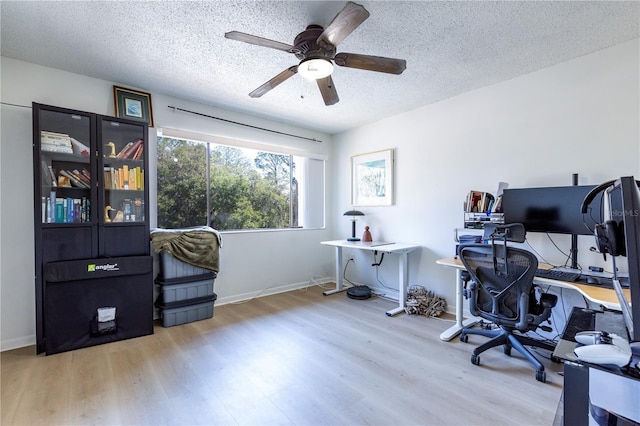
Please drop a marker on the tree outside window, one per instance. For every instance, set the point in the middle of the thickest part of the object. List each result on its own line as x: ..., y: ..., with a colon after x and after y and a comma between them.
x: 225, y: 187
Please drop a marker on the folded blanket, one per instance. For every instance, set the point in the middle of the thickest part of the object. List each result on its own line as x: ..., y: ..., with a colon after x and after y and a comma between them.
x: 197, y: 246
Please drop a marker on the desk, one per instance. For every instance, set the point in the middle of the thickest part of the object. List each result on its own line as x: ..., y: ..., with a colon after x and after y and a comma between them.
x: 589, y: 385
x: 402, y: 250
x: 598, y: 295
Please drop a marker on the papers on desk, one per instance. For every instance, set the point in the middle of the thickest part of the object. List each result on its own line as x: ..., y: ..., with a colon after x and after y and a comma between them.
x: 370, y: 243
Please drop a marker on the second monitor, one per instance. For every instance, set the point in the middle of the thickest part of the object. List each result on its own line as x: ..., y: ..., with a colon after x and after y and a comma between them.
x: 552, y: 209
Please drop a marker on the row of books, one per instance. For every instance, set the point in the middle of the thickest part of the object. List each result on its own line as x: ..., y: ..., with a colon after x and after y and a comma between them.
x: 482, y: 202
x: 125, y: 177
x: 65, y: 177
x: 65, y: 210
x: 132, y: 150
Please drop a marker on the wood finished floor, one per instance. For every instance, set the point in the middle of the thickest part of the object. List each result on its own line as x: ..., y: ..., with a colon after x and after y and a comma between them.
x: 298, y: 358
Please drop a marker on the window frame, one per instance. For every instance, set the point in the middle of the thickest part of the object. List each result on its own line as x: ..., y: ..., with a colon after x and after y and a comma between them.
x: 259, y: 146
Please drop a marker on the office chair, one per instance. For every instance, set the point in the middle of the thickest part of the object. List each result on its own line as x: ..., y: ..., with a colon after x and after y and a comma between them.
x: 502, y: 292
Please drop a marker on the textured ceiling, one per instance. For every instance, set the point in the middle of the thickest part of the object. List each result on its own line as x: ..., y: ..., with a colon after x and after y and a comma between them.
x: 178, y: 48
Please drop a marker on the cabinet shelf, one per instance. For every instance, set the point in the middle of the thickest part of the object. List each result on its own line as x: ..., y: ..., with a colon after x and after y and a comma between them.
x: 69, y: 158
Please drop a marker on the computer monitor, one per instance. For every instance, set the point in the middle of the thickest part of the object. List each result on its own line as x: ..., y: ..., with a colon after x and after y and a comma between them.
x: 627, y: 218
x: 553, y: 209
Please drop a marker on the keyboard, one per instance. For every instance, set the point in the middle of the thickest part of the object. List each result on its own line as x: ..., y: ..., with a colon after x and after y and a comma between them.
x: 554, y: 274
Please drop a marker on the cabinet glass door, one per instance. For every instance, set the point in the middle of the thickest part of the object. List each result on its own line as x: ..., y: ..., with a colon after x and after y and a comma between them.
x: 65, y: 167
x: 123, y: 146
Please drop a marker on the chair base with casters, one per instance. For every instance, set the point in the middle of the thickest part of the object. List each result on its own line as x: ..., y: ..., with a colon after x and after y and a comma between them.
x: 508, y: 339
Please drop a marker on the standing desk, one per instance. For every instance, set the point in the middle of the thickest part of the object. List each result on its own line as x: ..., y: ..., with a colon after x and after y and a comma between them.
x: 402, y: 250
x: 598, y: 295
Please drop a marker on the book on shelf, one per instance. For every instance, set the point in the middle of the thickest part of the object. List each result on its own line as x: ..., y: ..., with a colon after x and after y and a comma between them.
x: 497, y: 206
x: 125, y: 177
x: 57, y: 148
x: 138, y: 209
x: 487, y: 202
x: 53, y: 138
x: 474, y: 200
x: 52, y: 175
x: 138, y: 154
x: 124, y: 150
x: 107, y: 178
x: 127, y: 208
x: 130, y: 149
x: 51, y: 215
x: 48, y: 175
x: 59, y: 210
x: 82, y: 177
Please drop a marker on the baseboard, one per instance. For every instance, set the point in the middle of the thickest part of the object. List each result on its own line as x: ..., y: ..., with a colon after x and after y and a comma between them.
x: 271, y: 290
x: 19, y: 342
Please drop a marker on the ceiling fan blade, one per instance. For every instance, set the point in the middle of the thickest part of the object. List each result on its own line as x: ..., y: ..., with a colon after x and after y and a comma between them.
x: 347, y: 20
x: 328, y: 90
x: 371, y: 63
x: 259, y: 41
x: 274, y: 82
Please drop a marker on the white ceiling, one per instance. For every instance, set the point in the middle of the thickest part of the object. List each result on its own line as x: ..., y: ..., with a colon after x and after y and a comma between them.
x: 178, y: 48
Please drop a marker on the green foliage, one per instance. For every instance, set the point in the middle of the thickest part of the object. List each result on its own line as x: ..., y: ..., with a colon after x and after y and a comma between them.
x: 181, y: 184
x: 240, y: 197
x: 275, y: 168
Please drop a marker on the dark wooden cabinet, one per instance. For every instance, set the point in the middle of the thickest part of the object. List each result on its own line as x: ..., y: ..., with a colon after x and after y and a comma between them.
x: 91, y: 205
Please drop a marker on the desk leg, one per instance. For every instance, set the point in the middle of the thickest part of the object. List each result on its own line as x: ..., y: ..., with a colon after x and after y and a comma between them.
x: 461, y: 323
x: 339, y: 278
x: 402, y: 282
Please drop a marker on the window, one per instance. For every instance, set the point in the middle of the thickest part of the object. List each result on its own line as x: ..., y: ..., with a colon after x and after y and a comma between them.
x: 234, y: 187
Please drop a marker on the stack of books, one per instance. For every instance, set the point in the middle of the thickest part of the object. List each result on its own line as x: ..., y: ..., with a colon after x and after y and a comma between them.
x: 55, y: 142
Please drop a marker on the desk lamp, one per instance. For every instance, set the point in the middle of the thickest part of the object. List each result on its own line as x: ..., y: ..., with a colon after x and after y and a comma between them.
x: 353, y: 214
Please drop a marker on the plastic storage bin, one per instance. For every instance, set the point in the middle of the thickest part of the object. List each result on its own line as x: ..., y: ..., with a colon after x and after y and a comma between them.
x: 186, y: 311
x: 170, y: 267
x: 192, y: 287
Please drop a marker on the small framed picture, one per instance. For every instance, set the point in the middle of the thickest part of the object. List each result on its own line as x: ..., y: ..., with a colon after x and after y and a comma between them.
x: 372, y: 179
x: 133, y: 105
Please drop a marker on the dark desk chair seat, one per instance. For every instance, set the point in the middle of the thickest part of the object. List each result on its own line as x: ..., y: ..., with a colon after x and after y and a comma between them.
x: 502, y: 292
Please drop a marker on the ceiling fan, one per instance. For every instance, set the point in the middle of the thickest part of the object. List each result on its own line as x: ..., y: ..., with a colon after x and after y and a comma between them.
x: 316, y: 49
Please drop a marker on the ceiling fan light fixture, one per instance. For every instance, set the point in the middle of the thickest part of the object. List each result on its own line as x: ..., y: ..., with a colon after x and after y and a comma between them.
x: 315, y: 68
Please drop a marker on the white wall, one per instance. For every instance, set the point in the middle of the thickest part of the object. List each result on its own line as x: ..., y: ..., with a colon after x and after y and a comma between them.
x: 251, y: 263
x: 579, y: 117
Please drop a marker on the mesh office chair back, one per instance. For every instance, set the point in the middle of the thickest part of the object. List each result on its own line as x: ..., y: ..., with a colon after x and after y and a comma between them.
x: 504, y: 280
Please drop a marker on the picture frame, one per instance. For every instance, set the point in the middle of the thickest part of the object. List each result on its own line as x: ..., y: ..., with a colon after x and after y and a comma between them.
x: 133, y: 105
x: 372, y: 179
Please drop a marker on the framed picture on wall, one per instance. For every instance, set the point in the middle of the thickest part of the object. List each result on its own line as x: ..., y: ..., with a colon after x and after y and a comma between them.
x: 372, y: 179
x: 133, y: 105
